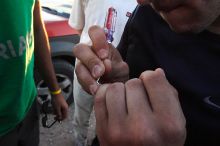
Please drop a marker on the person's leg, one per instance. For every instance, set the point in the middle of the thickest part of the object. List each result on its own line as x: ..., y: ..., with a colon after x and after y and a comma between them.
x: 83, y: 105
x: 10, y: 139
x: 29, y: 131
x: 26, y: 133
x: 95, y: 142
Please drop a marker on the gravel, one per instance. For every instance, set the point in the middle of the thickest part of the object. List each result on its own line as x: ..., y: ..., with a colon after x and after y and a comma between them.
x: 61, y: 134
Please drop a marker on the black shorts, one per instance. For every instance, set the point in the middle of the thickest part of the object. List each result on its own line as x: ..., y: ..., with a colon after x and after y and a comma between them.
x: 26, y: 133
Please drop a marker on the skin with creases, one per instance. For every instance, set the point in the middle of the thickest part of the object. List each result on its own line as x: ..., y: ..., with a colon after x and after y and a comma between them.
x: 143, y: 111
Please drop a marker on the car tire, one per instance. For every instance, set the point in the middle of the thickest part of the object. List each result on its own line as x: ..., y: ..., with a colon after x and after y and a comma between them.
x: 65, y: 68
x: 64, y: 74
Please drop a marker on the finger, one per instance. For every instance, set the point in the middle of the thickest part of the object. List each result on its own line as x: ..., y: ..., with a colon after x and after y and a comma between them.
x: 137, y: 99
x: 114, y: 53
x: 162, y: 95
x: 58, y: 114
x: 85, y: 79
x: 99, y: 42
x: 89, y: 59
x: 101, y: 113
x: 116, y: 103
x: 108, y: 65
x: 64, y: 112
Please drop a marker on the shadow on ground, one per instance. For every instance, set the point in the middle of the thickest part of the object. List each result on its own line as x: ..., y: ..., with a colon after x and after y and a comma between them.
x: 62, y: 134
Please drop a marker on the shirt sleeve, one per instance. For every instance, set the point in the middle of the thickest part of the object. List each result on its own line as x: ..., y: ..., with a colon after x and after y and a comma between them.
x: 77, y: 16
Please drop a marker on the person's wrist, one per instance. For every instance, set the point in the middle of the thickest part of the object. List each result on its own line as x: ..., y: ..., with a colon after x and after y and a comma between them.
x: 56, y: 92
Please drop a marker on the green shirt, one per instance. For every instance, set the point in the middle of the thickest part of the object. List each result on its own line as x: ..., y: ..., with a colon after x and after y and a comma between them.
x: 17, y: 87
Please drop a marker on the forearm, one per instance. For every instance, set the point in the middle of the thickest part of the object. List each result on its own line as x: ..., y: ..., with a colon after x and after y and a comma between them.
x: 42, y: 51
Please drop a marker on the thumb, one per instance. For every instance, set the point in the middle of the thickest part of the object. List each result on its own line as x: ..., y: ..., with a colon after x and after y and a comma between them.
x: 99, y: 42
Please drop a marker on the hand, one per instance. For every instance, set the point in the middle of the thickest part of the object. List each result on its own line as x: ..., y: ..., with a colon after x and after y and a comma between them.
x: 99, y: 60
x: 141, y: 112
x: 60, y: 107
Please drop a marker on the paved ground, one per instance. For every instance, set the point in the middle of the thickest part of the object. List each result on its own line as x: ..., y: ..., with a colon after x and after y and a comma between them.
x: 62, y: 134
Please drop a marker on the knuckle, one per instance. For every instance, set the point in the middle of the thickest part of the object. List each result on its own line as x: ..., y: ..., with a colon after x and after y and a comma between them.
x: 99, y: 100
x: 115, y: 87
x: 175, y: 130
x: 175, y: 92
x: 115, y: 135
x: 100, y: 96
x: 149, y: 76
x: 150, y: 137
x: 133, y: 82
x: 124, y: 67
x: 145, y: 133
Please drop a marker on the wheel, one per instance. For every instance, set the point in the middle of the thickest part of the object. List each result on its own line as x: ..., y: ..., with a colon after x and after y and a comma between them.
x: 64, y: 74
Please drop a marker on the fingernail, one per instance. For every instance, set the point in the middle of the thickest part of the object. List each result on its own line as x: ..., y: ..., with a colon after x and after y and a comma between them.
x: 103, y: 53
x: 97, y: 71
x: 93, y: 88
